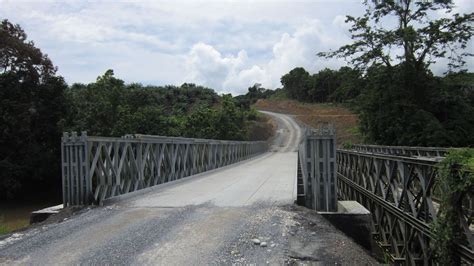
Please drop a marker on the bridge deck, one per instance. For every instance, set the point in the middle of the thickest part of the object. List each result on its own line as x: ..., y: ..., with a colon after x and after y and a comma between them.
x: 269, y: 179
x: 209, y: 219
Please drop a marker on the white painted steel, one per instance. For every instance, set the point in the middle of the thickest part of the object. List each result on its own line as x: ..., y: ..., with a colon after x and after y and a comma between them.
x: 97, y: 168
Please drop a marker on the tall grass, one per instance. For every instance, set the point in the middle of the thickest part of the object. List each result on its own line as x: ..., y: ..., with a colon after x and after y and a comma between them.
x: 3, y: 228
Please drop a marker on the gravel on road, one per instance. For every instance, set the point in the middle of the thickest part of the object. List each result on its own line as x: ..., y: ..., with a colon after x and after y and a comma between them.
x: 240, y: 214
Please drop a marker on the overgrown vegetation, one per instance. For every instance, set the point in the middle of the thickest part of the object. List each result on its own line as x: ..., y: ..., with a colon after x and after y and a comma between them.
x: 327, y: 85
x: 3, y: 227
x: 455, y: 181
x: 254, y: 93
x: 31, y: 104
x: 109, y: 107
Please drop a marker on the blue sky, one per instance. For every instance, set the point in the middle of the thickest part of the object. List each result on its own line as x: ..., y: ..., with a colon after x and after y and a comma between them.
x: 226, y: 45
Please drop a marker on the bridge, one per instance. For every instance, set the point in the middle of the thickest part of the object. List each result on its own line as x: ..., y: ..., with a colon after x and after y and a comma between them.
x: 192, y: 201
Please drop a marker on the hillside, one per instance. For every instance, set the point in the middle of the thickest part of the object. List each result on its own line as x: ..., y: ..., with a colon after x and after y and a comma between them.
x: 345, y: 121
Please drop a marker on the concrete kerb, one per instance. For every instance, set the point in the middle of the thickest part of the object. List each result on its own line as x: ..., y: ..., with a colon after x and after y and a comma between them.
x: 147, y: 190
x: 355, y: 221
x: 43, y: 214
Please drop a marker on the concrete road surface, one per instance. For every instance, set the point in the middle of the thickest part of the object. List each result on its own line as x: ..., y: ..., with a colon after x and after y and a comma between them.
x: 207, y: 219
x: 269, y: 178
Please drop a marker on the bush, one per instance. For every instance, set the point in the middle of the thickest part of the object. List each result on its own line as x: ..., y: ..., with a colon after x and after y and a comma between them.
x: 456, y: 181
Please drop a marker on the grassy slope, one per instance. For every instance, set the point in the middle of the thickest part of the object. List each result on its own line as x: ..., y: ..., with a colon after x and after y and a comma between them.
x: 345, y: 122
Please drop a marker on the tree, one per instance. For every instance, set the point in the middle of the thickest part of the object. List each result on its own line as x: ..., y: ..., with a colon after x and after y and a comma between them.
x: 349, y: 87
x: 31, y: 106
x: 95, y: 107
x: 388, y: 117
x: 202, y: 123
x: 230, y: 120
x: 254, y: 93
x: 421, y: 39
x: 327, y: 85
x: 36, y: 106
x: 21, y: 57
x: 323, y: 83
x: 402, y: 102
x: 296, y: 83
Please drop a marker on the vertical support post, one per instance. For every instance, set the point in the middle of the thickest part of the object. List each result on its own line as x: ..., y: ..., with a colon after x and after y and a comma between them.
x: 85, y: 165
x: 75, y: 169
x: 140, y: 167
x: 64, y: 168
x: 321, y: 163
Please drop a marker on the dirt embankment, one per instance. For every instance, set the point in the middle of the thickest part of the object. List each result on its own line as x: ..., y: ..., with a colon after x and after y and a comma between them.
x: 261, y: 129
x: 345, y: 121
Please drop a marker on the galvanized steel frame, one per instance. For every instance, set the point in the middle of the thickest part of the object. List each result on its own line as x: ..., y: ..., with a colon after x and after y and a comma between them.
x: 398, y: 192
x: 317, y: 169
x: 403, y: 150
x: 97, y: 168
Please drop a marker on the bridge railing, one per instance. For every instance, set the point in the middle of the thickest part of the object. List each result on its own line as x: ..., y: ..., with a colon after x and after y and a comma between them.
x: 398, y: 191
x: 407, y: 151
x: 97, y: 168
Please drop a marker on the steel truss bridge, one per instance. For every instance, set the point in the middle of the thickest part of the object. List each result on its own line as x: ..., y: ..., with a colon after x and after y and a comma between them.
x: 98, y: 168
x: 398, y: 185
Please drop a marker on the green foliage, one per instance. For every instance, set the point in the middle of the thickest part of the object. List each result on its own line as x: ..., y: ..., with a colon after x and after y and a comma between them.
x: 31, y: 105
x: 36, y: 106
x: 3, y: 230
x: 109, y: 107
x: 393, y: 113
x: 347, y: 145
x: 227, y: 121
x: 279, y: 94
x: 396, y: 105
x: 296, y: 84
x: 327, y: 85
x: 20, y: 56
x: 422, y: 38
x: 230, y: 120
x: 254, y: 93
x: 348, y: 87
x: 353, y: 130
x: 201, y: 123
x: 456, y: 180
x: 401, y: 102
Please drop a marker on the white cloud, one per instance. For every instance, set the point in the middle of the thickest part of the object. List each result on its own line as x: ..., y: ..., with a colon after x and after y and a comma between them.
x: 205, y: 65
x: 460, y: 6
x: 231, y: 73
x: 340, y: 22
x: 300, y: 48
x: 226, y: 45
x: 225, y: 73
x: 238, y: 82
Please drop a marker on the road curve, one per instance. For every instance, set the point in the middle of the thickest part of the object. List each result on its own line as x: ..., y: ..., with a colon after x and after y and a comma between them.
x: 198, y: 220
x: 288, y: 133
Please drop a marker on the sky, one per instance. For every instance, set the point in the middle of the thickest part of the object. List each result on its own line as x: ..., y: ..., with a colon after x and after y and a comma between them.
x: 225, y: 45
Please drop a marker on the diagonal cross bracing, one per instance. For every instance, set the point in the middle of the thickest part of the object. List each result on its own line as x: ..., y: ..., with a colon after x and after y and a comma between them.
x: 97, y: 168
